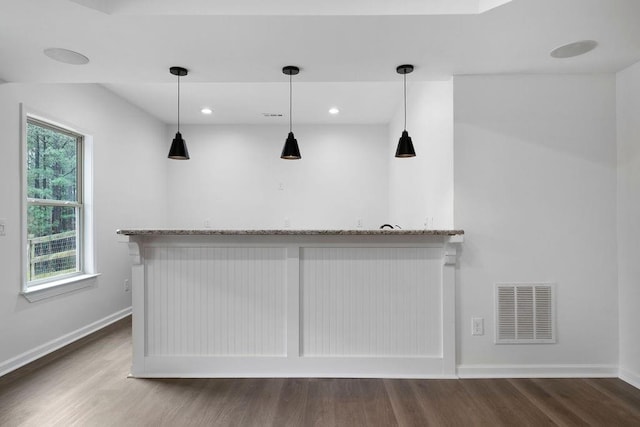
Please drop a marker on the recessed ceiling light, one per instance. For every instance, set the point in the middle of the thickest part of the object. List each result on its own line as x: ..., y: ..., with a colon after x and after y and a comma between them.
x: 574, y: 49
x: 206, y: 110
x: 334, y: 111
x: 66, y: 56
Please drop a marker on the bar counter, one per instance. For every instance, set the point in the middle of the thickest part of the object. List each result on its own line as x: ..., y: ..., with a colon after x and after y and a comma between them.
x: 293, y: 303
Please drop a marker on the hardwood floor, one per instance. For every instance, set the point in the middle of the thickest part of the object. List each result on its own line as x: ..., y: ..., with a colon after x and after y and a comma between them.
x: 86, y: 384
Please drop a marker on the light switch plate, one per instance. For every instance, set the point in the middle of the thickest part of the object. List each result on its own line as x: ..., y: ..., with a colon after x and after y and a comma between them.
x: 477, y: 326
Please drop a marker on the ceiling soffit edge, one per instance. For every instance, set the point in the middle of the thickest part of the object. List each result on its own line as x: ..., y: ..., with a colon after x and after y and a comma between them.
x: 291, y: 7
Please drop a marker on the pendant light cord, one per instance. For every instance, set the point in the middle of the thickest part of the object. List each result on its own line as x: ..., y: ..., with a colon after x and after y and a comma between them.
x: 404, y: 76
x: 179, y: 103
x: 290, y: 107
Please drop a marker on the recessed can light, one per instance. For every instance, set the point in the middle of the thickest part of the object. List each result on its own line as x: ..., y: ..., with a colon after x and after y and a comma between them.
x: 574, y: 49
x: 334, y: 111
x: 206, y: 110
x: 66, y: 56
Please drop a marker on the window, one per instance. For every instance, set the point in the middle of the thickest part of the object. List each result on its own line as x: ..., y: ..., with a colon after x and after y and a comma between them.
x: 54, y: 202
x: 56, y: 217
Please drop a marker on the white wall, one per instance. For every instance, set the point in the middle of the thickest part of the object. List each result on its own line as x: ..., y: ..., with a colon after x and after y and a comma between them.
x: 535, y: 192
x: 129, y: 186
x: 628, y: 115
x: 234, y: 176
x: 422, y: 187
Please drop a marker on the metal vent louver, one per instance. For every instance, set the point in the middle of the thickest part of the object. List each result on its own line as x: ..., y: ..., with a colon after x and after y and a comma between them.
x: 525, y: 314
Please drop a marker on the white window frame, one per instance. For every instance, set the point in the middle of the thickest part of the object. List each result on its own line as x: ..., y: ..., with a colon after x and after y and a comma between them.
x: 85, y: 277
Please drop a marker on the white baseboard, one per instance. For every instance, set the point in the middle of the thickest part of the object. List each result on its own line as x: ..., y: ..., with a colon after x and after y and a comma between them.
x: 277, y: 374
x: 630, y: 377
x: 537, y: 371
x: 53, y: 345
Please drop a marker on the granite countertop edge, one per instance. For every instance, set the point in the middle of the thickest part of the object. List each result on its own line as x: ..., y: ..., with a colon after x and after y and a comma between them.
x: 285, y: 232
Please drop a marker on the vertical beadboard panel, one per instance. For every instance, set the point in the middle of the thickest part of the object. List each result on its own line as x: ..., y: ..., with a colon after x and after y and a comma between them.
x: 215, y: 301
x: 371, y: 302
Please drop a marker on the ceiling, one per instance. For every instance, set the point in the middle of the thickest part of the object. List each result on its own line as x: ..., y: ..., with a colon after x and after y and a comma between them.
x: 347, y: 50
x: 291, y: 7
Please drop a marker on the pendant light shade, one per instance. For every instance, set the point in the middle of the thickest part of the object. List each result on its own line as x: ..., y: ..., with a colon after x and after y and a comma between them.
x: 178, y: 150
x: 405, y: 145
x: 290, y: 151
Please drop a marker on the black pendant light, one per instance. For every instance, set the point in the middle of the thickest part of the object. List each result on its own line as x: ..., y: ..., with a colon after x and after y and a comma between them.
x: 178, y: 149
x: 405, y: 145
x: 290, y: 151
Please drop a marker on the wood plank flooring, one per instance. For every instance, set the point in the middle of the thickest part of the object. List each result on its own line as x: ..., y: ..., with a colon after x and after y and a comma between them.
x: 86, y: 384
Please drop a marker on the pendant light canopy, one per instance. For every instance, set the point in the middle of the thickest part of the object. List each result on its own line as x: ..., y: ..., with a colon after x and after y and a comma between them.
x: 290, y: 151
x: 178, y: 149
x: 405, y: 145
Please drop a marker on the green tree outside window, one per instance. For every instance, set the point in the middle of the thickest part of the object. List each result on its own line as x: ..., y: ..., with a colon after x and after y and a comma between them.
x: 53, y: 202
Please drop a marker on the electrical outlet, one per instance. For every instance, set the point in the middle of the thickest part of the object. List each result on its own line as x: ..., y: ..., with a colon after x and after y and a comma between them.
x: 207, y: 223
x: 359, y: 223
x: 287, y: 223
x: 477, y: 326
x: 127, y: 288
x: 280, y: 186
x: 3, y: 227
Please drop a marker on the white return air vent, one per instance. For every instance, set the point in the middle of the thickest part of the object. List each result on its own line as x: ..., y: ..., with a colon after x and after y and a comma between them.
x: 525, y: 314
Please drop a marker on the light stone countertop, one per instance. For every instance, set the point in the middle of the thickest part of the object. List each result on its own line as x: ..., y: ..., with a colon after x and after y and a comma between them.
x: 286, y: 232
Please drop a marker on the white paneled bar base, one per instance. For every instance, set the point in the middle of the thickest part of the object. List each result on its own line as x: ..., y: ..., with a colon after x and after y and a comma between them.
x: 293, y: 303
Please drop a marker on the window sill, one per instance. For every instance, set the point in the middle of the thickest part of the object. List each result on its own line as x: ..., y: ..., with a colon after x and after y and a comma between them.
x: 59, y: 287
